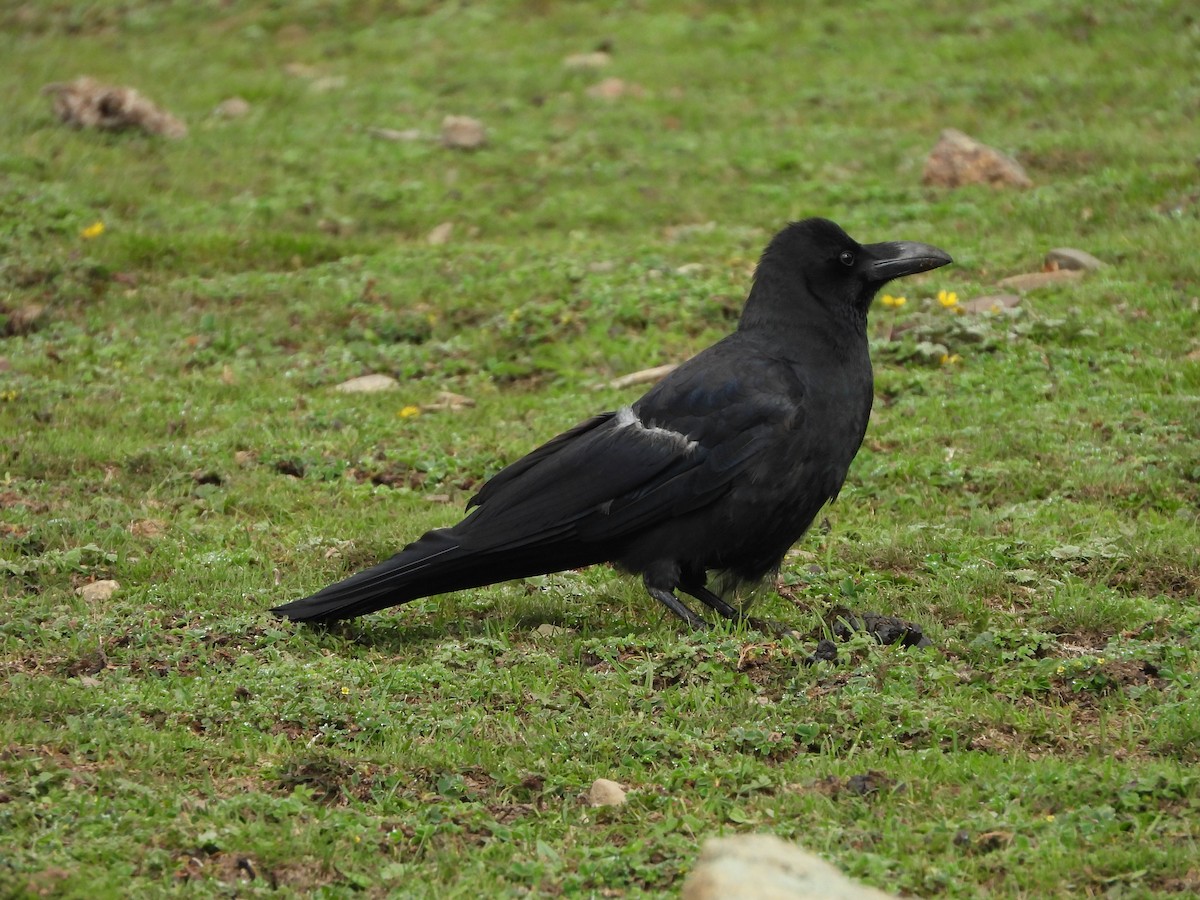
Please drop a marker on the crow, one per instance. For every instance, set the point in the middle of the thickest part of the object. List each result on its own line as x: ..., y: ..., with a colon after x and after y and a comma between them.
x: 717, y: 470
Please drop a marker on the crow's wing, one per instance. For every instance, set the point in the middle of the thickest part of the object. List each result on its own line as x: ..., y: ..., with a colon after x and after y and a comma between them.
x: 678, y: 449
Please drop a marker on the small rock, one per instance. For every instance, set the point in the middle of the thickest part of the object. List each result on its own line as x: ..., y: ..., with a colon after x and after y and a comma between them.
x: 448, y: 400
x: 992, y: 303
x: 1032, y: 281
x: 1070, y: 258
x: 548, y: 630
x: 689, y: 269
x: 98, y: 591
x: 597, y: 59
x: 958, y: 159
x: 463, y: 133
x: 232, y: 108
x: 605, y: 793
x: 763, y: 867
x: 440, y: 234
x: 614, y: 89
x: 244, y: 458
x: 367, y: 384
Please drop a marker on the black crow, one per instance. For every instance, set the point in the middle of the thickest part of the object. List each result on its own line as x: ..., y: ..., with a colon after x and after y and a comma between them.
x: 719, y: 468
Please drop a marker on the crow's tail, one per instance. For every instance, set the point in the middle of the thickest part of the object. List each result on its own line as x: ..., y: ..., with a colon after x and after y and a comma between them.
x: 437, y: 563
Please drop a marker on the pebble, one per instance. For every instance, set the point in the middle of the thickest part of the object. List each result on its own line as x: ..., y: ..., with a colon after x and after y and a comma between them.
x: 367, y: 384
x: 958, y: 159
x: 1070, y: 258
x: 763, y: 867
x: 605, y: 793
x: 463, y: 133
x: 98, y: 591
x: 440, y: 234
x: 232, y: 108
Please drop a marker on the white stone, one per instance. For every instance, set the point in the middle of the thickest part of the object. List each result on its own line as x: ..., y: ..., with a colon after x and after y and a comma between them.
x: 367, y: 384
x: 98, y: 591
x: 763, y: 867
x: 605, y: 793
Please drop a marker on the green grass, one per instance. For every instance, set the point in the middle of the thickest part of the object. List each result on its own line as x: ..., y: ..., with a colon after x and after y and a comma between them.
x: 169, y: 421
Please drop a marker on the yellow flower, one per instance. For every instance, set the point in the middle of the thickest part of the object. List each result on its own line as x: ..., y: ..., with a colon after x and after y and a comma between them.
x: 92, y: 231
x: 409, y: 411
x: 892, y: 302
x: 948, y: 299
x: 951, y: 359
x: 1049, y: 817
x: 345, y: 690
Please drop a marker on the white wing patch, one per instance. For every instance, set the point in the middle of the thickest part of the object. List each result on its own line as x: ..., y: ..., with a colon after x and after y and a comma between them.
x: 627, y: 418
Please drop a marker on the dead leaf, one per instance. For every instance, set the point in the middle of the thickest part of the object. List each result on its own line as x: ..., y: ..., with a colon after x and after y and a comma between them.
x: 1032, y: 281
x: 148, y: 528
x: 393, y: 134
x: 86, y: 103
x: 448, y: 400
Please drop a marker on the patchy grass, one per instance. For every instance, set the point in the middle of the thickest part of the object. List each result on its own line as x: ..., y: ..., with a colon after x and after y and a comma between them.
x: 1028, y: 492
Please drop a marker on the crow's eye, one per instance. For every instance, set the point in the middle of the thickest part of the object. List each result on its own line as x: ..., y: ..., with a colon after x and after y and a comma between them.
x: 846, y: 258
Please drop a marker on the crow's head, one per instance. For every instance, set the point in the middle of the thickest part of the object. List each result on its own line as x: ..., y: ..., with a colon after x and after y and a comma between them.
x: 815, y: 261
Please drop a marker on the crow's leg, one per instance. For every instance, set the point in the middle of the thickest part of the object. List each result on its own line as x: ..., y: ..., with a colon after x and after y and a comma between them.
x: 697, y: 589
x: 713, y: 601
x: 662, y: 590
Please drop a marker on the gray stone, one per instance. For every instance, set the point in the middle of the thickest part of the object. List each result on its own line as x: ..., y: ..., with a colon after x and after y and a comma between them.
x: 1070, y: 258
x: 762, y: 867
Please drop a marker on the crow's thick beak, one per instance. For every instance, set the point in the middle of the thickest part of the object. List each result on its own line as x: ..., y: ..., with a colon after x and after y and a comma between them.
x: 895, y: 259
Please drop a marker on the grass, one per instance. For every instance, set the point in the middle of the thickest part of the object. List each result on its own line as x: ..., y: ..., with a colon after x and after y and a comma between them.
x: 168, y: 421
